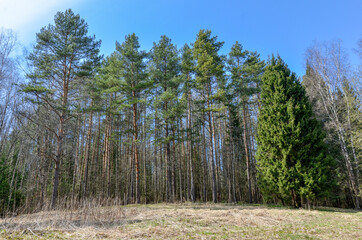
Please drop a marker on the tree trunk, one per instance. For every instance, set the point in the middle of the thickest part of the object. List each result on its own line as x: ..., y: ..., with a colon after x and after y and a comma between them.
x: 354, y: 155
x: 205, y: 171
x: 217, y: 163
x: 181, y: 159
x: 189, y: 147
x: 144, y: 156
x: 106, y: 156
x: 349, y: 167
x: 57, y: 162
x: 156, y: 184
x: 247, y: 152
x: 135, y: 140
x: 87, y: 150
x: 211, y: 130
x: 76, y: 160
x: 167, y: 159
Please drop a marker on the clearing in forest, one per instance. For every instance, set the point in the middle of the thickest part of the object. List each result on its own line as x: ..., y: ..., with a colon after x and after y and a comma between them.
x: 185, y: 221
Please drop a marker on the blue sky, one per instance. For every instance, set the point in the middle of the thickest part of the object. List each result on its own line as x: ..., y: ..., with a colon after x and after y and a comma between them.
x: 278, y: 26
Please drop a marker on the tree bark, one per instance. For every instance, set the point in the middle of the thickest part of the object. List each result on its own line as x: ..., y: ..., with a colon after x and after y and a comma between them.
x: 189, y: 147
x: 57, y: 163
x: 135, y: 140
x: 87, y: 153
x: 247, y: 152
x: 211, y: 130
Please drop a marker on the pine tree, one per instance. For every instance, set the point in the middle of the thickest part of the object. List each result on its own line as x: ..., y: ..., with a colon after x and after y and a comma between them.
x: 240, y: 86
x: 164, y: 71
x: 209, y: 69
x: 133, y: 84
x: 109, y: 85
x: 292, y: 158
x: 62, y: 57
x: 187, y: 68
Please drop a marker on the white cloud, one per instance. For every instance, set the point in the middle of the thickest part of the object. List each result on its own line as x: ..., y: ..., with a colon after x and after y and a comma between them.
x: 26, y: 16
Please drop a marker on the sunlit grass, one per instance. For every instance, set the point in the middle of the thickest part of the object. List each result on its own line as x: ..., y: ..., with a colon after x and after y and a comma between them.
x: 186, y: 221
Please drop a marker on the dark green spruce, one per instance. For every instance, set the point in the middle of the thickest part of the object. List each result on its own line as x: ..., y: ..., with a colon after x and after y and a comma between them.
x: 292, y: 159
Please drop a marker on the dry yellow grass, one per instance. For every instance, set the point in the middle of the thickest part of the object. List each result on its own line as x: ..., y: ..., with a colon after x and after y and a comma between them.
x: 185, y: 221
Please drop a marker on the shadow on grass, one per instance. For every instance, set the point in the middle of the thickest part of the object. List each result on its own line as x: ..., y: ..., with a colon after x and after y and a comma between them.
x: 70, y: 225
x: 321, y: 209
x: 337, y: 210
x: 245, y: 206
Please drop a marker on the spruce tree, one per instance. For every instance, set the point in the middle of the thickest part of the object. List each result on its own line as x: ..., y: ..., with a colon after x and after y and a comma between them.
x: 292, y: 158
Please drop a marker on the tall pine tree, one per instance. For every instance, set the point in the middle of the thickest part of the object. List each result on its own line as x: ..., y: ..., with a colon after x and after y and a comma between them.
x: 63, y: 56
x: 209, y: 70
x: 164, y: 71
x: 134, y: 83
x: 187, y: 68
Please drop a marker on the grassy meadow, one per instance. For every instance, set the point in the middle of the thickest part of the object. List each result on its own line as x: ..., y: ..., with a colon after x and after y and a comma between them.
x: 185, y: 221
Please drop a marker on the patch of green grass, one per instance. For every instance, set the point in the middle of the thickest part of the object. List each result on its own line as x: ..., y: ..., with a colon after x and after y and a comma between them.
x: 207, y: 233
x: 337, y: 210
x: 297, y: 237
x: 36, y: 234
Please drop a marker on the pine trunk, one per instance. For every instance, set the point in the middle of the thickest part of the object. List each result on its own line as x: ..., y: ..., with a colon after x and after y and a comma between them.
x: 211, y: 137
x: 87, y: 154
x: 247, y: 153
x: 135, y: 140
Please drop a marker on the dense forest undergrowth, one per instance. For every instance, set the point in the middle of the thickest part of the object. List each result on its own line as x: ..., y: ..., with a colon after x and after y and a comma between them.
x: 174, y: 124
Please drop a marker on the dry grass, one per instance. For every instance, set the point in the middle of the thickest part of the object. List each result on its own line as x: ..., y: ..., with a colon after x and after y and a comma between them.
x: 185, y: 221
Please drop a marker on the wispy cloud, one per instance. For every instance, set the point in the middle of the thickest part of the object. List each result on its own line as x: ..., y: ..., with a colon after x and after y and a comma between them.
x: 24, y: 16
